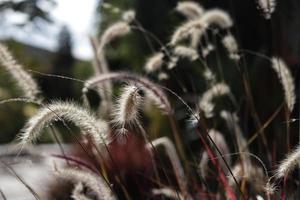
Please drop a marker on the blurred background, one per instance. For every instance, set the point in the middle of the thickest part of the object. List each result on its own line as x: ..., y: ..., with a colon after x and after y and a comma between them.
x: 52, y: 36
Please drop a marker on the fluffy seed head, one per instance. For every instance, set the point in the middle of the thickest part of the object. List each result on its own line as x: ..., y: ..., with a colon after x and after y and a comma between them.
x: 128, y: 16
x: 217, y: 17
x: 183, y: 51
x: 186, y: 29
x: 190, y: 9
x: 116, y: 30
x: 66, y: 111
x: 231, y: 45
x: 152, y: 90
x: 267, y: 7
x: 21, y: 77
x: 206, y: 104
x: 286, y: 80
x: 92, y: 181
x: 155, y: 62
x: 128, y: 106
x: 288, y: 164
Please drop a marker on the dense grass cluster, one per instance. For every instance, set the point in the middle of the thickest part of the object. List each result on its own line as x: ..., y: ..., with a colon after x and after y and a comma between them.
x: 122, y: 160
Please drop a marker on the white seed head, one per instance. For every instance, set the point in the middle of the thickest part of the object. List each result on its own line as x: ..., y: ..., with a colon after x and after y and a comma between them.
x: 217, y: 17
x: 22, y: 78
x: 188, y: 28
x: 186, y: 52
x: 155, y: 62
x: 129, y: 105
x: 267, y: 7
x: 286, y: 80
x: 288, y: 164
x: 190, y: 9
x: 92, y: 181
x: 63, y: 111
x: 206, y: 102
x: 231, y: 45
x: 152, y: 90
x: 116, y: 30
x: 163, y: 76
x: 128, y: 16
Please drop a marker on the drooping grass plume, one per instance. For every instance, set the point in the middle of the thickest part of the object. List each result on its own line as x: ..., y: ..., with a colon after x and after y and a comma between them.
x: 169, y: 193
x: 78, y: 193
x: 116, y: 30
x: 231, y: 45
x: 288, y: 164
x: 128, y: 106
x: 154, y: 62
x: 286, y: 80
x: 23, y: 79
x: 152, y: 90
x: 211, y: 17
x: 175, y: 161
x: 190, y: 9
x: 92, y: 181
x: 186, y: 29
x: 206, y: 102
x: 186, y: 52
x: 217, y: 17
x: 68, y: 111
x: 267, y: 7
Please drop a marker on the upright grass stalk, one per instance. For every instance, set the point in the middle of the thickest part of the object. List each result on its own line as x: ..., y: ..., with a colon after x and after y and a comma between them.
x: 21, y: 77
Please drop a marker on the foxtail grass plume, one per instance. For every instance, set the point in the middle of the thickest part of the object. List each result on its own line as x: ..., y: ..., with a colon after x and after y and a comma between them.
x: 67, y: 111
x: 155, y: 62
x: 116, y: 30
x: 152, y: 90
x: 190, y: 9
x: 186, y: 29
x: 288, y: 164
x: 231, y: 45
x: 186, y: 52
x: 286, y: 80
x: 211, y: 17
x: 23, y: 79
x: 217, y: 17
x: 128, y: 106
x: 267, y: 7
x: 206, y: 102
x: 92, y: 181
